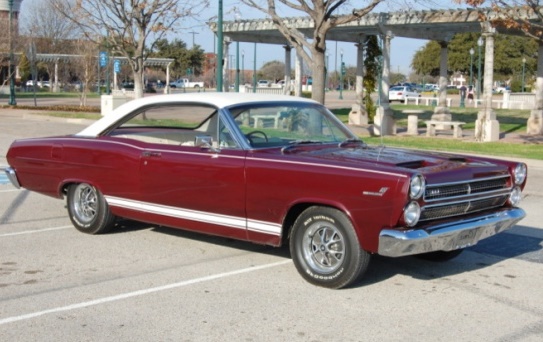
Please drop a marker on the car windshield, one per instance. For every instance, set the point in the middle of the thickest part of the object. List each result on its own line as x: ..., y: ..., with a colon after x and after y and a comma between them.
x: 396, y: 88
x: 287, y: 124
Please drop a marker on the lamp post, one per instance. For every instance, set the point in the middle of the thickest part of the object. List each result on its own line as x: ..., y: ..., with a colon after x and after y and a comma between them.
x: 254, y: 71
x: 219, y: 49
x: 523, y: 71
x: 341, y: 76
x: 471, y: 52
x: 11, y: 73
x: 243, y: 67
x: 237, y: 68
x: 479, y: 44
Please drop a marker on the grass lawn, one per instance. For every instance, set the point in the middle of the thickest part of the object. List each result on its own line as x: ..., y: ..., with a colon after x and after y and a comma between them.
x: 511, y: 121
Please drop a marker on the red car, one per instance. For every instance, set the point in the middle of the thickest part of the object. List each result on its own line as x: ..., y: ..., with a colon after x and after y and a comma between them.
x: 272, y: 170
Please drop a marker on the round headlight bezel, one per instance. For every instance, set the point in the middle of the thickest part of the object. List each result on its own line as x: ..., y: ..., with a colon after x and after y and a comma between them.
x: 515, y: 196
x: 417, y: 186
x: 411, y: 214
x: 519, y: 173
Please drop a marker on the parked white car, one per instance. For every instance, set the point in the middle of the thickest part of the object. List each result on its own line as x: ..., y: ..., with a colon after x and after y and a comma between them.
x: 400, y: 93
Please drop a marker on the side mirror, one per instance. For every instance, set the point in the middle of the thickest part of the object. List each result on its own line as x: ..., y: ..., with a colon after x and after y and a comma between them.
x: 205, y: 142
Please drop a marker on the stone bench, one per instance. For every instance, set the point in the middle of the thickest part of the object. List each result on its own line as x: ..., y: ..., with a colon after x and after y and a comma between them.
x: 433, y: 125
x: 413, y: 120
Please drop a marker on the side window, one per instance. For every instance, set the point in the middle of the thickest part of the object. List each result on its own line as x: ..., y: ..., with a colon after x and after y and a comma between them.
x: 182, y: 125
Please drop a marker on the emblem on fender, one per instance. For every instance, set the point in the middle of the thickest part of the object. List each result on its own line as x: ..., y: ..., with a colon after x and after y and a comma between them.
x: 380, y: 193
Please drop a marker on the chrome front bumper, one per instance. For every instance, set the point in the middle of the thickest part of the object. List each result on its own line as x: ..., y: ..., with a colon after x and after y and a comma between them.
x: 447, y: 237
x: 10, y: 172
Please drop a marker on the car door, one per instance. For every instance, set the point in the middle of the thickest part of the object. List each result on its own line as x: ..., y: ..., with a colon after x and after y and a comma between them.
x: 192, y: 177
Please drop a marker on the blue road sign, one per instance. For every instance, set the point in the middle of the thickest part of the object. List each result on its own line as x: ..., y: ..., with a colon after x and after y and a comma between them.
x: 103, y: 58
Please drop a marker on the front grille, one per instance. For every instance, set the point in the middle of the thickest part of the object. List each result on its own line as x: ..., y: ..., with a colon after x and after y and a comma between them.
x: 461, y: 208
x: 445, y: 191
x: 462, y: 198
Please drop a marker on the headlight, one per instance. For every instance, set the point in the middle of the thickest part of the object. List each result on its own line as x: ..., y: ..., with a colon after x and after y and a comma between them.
x: 515, y: 196
x: 411, y: 214
x: 519, y: 173
x: 416, y: 187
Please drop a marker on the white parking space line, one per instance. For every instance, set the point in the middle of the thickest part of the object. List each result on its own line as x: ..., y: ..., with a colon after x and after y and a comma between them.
x: 36, y: 231
x: 11, y: 190
x: 140, y: 292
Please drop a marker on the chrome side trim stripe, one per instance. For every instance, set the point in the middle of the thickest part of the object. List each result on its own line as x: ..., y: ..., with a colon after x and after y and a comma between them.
x: 199, y: 216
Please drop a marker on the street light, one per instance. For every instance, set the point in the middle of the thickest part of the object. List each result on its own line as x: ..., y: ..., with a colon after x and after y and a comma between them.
x: 479, y: 44
x: 237, y: 68
x: 523, y: 71
x: 242, y: 66
x: 341, y: 76
x: 220, y: 48
x: 471, y: 52
x: 254, y: 71
x: 11, y: 73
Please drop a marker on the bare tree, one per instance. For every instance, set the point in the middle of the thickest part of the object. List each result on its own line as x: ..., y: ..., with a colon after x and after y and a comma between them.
x: 128, y: 28
x: 324, y: 15
x: 524, y: 16
x: 41, y: 20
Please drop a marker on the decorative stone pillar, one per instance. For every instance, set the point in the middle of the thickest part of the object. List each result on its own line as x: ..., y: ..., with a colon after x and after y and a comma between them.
x: 442, y: 112
x: 535, y: 121
x: 487, y: 128
x: 358, y: 114
x: 226, y: 66
x: 383, y: 122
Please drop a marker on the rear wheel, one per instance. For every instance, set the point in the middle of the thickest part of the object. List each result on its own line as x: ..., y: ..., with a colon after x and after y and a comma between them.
x: 325, y: 248
x: 88, y: 209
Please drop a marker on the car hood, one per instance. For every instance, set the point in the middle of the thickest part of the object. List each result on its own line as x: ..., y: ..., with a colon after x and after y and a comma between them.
x: 387, y: 158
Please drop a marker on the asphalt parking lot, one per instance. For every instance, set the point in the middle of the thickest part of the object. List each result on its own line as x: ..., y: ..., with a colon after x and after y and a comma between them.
x: 147, y: 283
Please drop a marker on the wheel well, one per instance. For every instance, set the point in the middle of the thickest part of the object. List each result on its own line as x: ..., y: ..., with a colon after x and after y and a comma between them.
x: 293, y: 214
x: 64, y: 188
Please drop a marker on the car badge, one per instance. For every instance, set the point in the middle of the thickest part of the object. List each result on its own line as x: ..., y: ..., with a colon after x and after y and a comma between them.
x: 374, y: 193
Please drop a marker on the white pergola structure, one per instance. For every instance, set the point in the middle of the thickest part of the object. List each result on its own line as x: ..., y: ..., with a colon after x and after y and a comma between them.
x: 438, y: 25
x: 58, y: 58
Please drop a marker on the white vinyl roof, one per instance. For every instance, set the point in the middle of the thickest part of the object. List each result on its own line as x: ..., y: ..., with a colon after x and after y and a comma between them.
x: 218, y: 100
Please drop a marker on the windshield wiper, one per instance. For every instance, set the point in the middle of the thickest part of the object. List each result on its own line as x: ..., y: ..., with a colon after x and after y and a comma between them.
x: 295, y: 143
x: 302, y: 142
x: 351, y: 141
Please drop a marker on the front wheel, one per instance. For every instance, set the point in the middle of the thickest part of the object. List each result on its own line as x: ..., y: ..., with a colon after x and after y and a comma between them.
x: 88, y: 209
x: 325, y: 248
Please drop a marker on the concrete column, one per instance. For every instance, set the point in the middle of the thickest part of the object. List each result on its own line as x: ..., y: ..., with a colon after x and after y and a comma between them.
x: 288, y: 57
x: 487, y: 128
x: 442, y: 112
x: 359, y: 85
x: 535, y: 121
x: 298, y: 76
x: 226, y: 66
x: 55, y: 86
x: 383, y: 122
x: 167, y: 85
x: 358, y: 114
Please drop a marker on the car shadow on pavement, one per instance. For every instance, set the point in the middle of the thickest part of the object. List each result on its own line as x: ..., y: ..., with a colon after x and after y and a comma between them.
x: 282, y: 252
x: 486, y: 253
x: 527, y: 246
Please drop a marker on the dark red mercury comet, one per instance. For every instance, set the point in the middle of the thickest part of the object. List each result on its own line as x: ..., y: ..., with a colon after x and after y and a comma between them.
x: 272, y: 170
